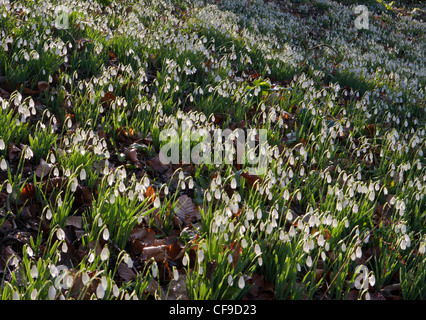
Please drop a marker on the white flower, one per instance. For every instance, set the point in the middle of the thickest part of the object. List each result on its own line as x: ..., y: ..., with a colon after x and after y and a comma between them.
x: 3, y: 164
x: 309, y: 261
x: 115, y: 291
x: 100, y: 291
x: 185, y: 260
x: 320, y: 240
x: 157, y: 202
x: 85, y: 278
x: 83, y: 174
x: 230, y: 280
x: 233, y: 183
x: 34, y: 272
x: 241, y: 282
x: 154, y: 270
x: 105, y: 234
x: 52, y: 293
x: 60, y: 234
x: 91, y: 257
x: 200, y: 256
x: 358, y: 252
x: 257, y: 249
x: 104, y: 254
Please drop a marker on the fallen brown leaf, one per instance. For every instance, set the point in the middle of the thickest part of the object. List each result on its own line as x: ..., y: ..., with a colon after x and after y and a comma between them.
x: 146, y: 235
x: 156, y: 165
x: 27, y: 193
x: 158, y: 253
x: 53, y: 183
x: 43, y: 169
x: 392, y: 292
x: 125, y: 272
x: 74, y: 221
x: 7, y: 226
x: 376, y: 296
x: 353, y: 295
x: 78, y: 287
x: 150, y: 193
x: 251, y: 179
x: 29, y: 92
x: 218, y: 119
x: 319, y: 273
x: 43, y: 85
x: 210, y: 268
x: 186, y: 210
x: 175, y: 251
x: 178, y: 289
x: 133, y: 156
x: 262, y: 289
x: 83, y: 196
x: 4, y: 94
x: 152, y: 288
x: 14, y: 152
x: 108, y: 98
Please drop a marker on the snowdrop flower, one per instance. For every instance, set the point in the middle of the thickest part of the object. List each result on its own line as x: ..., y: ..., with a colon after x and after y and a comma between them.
x: 83, y: 174
x: 292, y: 232
x: 200, y: 256
x: 259, y: 214
x: 91, y: 257
x: 104, y: 254
x: 157, y: 202
x: 422, y: 248
x: 85, y: 278
x: 60, y: 234
x: 175, y: 274
x: 115, y: 291
x: 185, y: 260
x: 34, y: 272
x: 241, y: 282
x: 3, y: 165
x: 250, y: 214
x: 105, y: 234
x: 309, y: 261
x: 257, y: 249
x: 233, y: 183
x: 100, y: 291
x: 358, y: 252
x: 52, y: 293
x: 321, y: 240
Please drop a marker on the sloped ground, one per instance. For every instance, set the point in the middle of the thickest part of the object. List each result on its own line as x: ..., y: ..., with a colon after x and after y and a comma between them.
x: 88, y: 210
